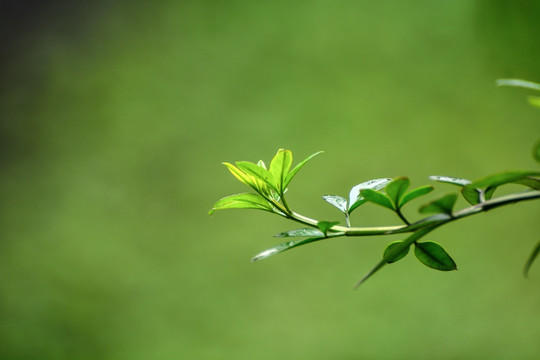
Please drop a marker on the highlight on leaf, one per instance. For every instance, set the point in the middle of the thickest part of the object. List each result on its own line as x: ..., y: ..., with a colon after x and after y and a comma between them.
x: 242, y: 201
x: 356, y: 199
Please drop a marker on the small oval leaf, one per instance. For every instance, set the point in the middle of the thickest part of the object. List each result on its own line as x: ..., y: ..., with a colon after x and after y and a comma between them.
x: 390, y: 256
x: 434, y: 256
x: 443, y: 205
x: 396, y: 188
x: 377, y: 198
x: 413, y: 194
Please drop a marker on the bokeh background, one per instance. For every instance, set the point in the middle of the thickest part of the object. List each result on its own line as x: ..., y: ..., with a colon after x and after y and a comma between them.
x: 116, y: 115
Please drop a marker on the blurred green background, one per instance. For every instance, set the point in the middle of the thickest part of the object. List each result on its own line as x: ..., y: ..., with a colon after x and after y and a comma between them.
x: 115, y: 117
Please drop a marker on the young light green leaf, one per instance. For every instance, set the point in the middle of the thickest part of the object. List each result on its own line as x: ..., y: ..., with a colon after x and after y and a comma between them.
x: 242, y: 176
x: 443, y: 205
x: 280, y: 166
x: 377, y: 198
x: 399, y: 256
x: 305, y: 232
x: 337, y: 201
x: 258, y: 172
x: 242, y: 201
x: 519, y: 83
x: 395, y: 251
x: 413, y: 194
x: 355, y: 199
x: 450, y: 180
x: 293, y: 172
x: 396, y: 188
x: 324, y: 226
x: 530, y: 260
x: 434, y: 256
x: 536, y: 149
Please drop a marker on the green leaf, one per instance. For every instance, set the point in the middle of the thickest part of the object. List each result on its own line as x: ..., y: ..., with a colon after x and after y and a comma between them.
x: 396, y: 189
x: 282, y: 247
x: 399, y: 256
x: 293, y: 172
x: 443, y: 205
x: 305, y: 232
x: 499, y: 179
x: 519, y: 83
x: 471, y: 194
x: 337, y: 201
x: 258, y: 172
x: 395, y: 251
x: 530, y: 260
x: 242, y: 201
x: 532, y: 182
x: 324, y: 226
x: 450, y: 180
x: 242, y: 176
x: 536, y: 151
x: 434, y: 256
x: 377, y: 198
x: 280, y: 166
x: 355, y: 200
x: 413, y: 194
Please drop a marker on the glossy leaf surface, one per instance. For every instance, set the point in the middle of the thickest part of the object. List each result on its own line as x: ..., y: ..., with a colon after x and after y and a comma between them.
x: 450, y: 180
x: 413, y: 194
x: 337, y: 201
x: 297, y: 168
x: 434, y: 256
x: 305, y: 232
x: 396, y: 189
x: 355, y: 199
x: 242, y: 201
x: 282, y: 247
x: 443, y: 205
x: 397, y: 257
x: 377, y: 198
